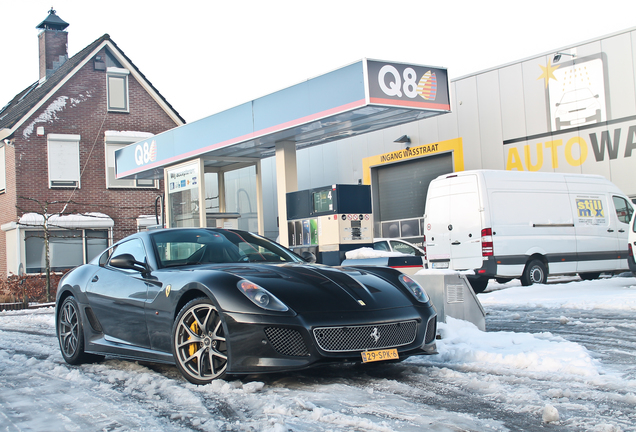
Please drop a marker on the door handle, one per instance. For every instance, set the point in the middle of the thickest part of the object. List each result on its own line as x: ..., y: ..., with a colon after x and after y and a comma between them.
x: 95, y: 279
x: 610, y: 230
x: 455, y: 243
x: 621, y: 230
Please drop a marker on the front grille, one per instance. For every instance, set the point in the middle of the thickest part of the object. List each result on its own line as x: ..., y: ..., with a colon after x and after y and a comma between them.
x: 431, y: 330
x: 287, y: 341
x: 358, y: 338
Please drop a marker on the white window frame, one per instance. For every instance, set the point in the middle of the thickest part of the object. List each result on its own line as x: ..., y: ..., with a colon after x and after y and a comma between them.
x: 114, y: 141
x: 3, y: 168
x: 60, y: 233
x: 115, y: 75
x: 63, y: 156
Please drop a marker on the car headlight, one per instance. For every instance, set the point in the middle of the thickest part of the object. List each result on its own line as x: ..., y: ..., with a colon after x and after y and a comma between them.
x: 415, y: 288
x: 261, y: 297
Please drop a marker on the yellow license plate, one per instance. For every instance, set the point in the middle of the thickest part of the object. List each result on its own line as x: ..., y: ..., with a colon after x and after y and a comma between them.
x: 379, y: 355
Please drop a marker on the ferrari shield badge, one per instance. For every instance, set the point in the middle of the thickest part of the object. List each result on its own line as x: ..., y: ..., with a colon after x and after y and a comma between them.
x: 168, y: 288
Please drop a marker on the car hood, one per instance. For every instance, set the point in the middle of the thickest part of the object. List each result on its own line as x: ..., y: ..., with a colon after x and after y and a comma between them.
x: 313, y: 288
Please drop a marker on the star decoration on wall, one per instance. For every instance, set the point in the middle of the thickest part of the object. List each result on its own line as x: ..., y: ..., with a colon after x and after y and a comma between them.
x: 548, y: 72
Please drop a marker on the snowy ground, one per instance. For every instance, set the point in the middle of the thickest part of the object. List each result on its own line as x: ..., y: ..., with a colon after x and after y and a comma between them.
x: 555, y: 357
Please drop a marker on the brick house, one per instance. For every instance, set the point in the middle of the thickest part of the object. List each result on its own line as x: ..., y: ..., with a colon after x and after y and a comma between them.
x: 57, y: 143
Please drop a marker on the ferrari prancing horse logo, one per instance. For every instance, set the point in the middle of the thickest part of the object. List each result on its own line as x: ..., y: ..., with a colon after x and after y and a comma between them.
x: 375, y: 334
x: 168, y: 288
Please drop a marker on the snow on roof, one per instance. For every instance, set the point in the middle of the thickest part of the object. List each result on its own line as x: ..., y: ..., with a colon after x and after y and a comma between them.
x: 73, y: 221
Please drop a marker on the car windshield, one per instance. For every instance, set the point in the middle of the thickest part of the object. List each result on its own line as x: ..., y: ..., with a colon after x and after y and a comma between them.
x: 213, y: 246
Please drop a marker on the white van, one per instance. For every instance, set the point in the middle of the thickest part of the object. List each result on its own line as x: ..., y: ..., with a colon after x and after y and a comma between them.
x: 517, y: 224
x: 631, y: 246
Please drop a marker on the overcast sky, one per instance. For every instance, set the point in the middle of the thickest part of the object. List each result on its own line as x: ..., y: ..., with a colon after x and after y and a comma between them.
x: 205, y: 56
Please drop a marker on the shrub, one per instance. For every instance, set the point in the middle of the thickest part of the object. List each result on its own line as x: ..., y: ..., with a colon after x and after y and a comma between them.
x: 33, y: 286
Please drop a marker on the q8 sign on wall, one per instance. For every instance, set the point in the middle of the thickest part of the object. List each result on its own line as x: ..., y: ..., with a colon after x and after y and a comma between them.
x: 408, y: 85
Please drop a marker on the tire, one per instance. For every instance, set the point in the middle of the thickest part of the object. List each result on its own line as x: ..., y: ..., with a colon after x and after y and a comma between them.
x: 70, y: 332
x: 589, y: 276
x: 503, y: 280
x: 478, y: 284
x: 534, y: 273
x: 199, y: 345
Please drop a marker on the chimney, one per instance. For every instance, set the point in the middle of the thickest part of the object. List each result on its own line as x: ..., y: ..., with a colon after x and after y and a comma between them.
x: 53, y: 42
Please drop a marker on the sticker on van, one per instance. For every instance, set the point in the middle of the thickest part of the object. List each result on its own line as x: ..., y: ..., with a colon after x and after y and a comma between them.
x: 591, y: 211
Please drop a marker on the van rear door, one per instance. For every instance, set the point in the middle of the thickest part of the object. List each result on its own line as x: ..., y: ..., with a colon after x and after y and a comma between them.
x: 453, y: 223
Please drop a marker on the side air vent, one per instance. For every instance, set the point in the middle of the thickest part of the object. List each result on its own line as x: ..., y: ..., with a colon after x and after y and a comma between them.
x: 92, y: 319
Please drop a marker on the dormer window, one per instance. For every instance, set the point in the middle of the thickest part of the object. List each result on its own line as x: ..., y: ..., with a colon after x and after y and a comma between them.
x: 117, y: 85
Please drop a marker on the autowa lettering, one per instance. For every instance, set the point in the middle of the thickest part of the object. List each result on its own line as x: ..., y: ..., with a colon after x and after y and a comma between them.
x: 409, y: 153
x: 574, y: 151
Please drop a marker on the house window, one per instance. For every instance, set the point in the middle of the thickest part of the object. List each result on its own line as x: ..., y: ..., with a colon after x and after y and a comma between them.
x: 115, y: 141
x: 64, y: 161
x: 117, y: 85
x: 67, y: 248
x: 3, y: 170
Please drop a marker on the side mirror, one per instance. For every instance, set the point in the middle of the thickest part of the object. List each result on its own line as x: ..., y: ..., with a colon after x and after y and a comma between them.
x: 127, y: 262
x: 308, y: 256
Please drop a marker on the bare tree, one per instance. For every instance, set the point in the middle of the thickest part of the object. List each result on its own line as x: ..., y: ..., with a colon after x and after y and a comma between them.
x: 44, y: 210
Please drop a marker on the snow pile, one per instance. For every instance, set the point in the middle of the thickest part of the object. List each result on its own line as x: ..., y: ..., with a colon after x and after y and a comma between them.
x: 366, y: 253
x: 550, y: 414
x: 614, y: 293
x: 463, y: 342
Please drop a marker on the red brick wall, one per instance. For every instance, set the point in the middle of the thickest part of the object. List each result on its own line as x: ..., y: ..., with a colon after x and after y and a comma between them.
x: 53, y: 44
x: 84, y: 113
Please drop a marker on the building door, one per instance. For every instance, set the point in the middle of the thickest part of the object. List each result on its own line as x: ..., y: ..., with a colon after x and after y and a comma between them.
x: 399, y: 195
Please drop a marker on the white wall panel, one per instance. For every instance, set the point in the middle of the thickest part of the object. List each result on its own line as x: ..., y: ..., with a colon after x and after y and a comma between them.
x: 318, y: 162
x: 304, y: 168
x: 346, y: 152
x: 447, y: 123
x: 620, y: 68
x: 490, y: 132
x: 428, y: 131
x: 512, y: 103
x: 468, y: 120
x: 535, y: 96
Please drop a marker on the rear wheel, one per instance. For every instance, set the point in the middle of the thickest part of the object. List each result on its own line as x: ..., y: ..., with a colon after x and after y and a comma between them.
x: 70, y: 332
x: 534, y: 273
x: 199, y: 344
x: 478, y: 284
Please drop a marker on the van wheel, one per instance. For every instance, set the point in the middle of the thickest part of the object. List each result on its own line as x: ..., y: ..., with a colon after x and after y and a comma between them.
x: 534, y: 273
x: 589, y: 276
x: 478, y: 284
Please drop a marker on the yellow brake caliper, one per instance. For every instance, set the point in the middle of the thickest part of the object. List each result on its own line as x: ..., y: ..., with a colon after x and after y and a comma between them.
x: 193, y: 347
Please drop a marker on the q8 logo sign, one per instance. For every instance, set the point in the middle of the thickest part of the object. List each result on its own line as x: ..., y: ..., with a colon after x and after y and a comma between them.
x: 408, y: 85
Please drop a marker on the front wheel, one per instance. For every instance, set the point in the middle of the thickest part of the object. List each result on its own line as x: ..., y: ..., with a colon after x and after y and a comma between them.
x: 70, y: 332
x: 199, y: 345
x: 534, y: 273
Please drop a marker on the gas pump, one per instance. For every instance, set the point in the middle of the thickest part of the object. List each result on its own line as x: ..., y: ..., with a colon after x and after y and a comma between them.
x: 329, y: 221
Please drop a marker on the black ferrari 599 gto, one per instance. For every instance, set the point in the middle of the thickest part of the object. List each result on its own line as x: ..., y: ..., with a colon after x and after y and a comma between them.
x: 217, y: 302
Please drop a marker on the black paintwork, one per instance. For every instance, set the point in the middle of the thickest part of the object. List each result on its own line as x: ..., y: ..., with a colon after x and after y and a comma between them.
x: 135, y: 309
